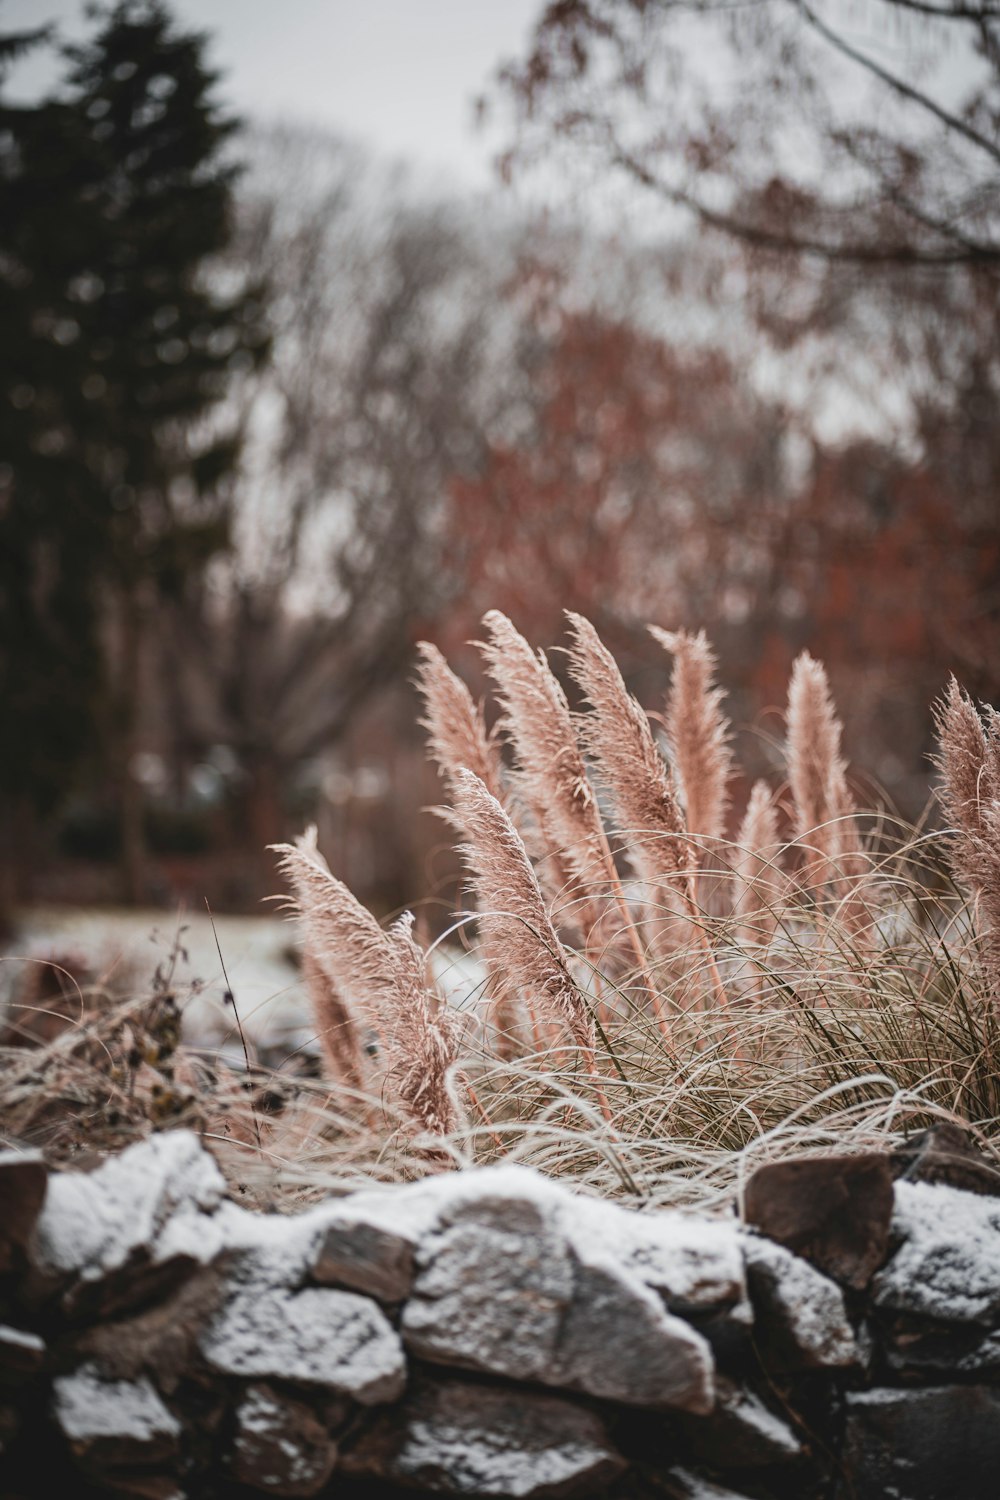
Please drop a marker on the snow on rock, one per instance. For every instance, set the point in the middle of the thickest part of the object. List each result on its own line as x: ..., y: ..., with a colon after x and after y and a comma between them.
x: 495, y: 1281
x: 280, y: 1445
x: 113, y: 1422
x: 513, y: 1283
x: 749, y: 1433
x: 21, y: 1352
x: 948, y: 1263
x: 460, y: 1438
x: 618, y: 1341
x: 337, y: 1340
x: 693, y: 1264
x: 801, y: 1316
x: 97, y: 1227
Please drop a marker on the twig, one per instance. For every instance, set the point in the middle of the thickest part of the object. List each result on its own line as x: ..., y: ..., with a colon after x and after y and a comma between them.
x: 230, y: 999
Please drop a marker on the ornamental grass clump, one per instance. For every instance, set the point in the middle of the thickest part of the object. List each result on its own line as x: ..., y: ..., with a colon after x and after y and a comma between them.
x: 667, y: 977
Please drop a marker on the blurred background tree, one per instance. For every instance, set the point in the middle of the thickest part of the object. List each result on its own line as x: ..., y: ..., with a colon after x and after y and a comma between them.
x: 118, y: 194
x: 264, y: 428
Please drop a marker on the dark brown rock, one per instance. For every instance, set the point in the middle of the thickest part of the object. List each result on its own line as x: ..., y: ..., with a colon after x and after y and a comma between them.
x: 946, y: 1153
x: 833, y: 1210
x: 281, y: 1446
x: 463, y: 1438
x: 936, y: 1444
x: 21, y: 1353
x: 113, y: 1424
x: 358, y: 1252
x: 162, y: 1341
x: 742, y: 1431
x: 23, y: 1178
x: 683, y: 1484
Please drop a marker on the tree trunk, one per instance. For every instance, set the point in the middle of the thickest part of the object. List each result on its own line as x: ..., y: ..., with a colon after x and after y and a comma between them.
x: 130, y: 795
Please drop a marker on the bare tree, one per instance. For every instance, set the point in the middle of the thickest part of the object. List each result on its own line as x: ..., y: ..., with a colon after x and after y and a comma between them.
x: 382, y: 383
x: 866, y: 134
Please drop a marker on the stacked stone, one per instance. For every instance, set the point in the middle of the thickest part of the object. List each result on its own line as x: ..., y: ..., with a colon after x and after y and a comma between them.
x: 487, y: 1333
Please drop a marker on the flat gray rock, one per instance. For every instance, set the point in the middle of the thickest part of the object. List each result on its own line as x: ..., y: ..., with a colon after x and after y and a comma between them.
x: 461, y: 1438
x: 947, y: 1265
x: 511, y: 1284
x: 801, y: 1316
x: 317, y: 1337
x: 496, y: 1281
x: 618, y: 1341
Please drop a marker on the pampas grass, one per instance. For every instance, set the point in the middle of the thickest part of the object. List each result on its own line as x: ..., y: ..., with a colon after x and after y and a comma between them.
x: 592, y: 1060
x: 860, y: 973
x: 969, y: 762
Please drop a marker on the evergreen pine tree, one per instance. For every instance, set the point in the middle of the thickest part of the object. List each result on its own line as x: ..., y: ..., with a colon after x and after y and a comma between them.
x: 124, y: 188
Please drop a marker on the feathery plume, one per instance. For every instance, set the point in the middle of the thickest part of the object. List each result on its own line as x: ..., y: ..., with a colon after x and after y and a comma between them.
x: 421, y: 1043
x: 381, y: 972
x: 617, y: 735
x: 455, y: 729
x: 338, y: 1035
x: 697, y: 732
x: 756, y: 867
x: 969, y: 762
x: 550, y: 775
x: 513, y: 918
x: 825, y: 825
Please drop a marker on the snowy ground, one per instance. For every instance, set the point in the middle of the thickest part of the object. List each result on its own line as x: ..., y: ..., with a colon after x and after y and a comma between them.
x: 257, y: 956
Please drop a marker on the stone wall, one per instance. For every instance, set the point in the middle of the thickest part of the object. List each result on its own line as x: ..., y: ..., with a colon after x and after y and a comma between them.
x: 488, y: 1333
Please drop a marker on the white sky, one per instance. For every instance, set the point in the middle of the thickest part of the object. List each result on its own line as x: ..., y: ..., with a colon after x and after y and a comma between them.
x: 401, y: 75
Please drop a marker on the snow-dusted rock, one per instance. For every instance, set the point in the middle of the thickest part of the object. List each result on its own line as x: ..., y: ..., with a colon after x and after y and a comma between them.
x: 21, y: 1353
x: 514, y: 1283
x: 695, y: 1265
x: 280, y: 1445
x: 749, y: 1433
x: 113, y: 1423
x: 801, y: 1317
x: 617, y: 1341
x: 947, y: 1266
x: 682, y: 1484
x: 939, y: 1443
x: 496, y: 1279
x: 337, y: 1340
x: 99, y: 1233
x: 460, y: 1438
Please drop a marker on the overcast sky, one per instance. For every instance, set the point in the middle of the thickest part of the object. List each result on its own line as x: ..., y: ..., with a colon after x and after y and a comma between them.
x: 400, y: 74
